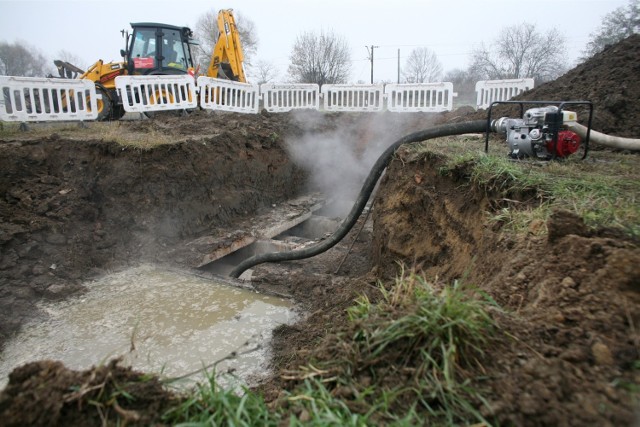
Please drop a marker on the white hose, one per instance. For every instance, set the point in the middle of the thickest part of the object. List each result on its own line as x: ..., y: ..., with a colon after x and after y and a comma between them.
x: 606, y: 140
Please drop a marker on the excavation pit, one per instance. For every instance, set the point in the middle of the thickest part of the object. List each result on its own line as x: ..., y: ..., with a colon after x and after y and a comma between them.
x: 220, y: 254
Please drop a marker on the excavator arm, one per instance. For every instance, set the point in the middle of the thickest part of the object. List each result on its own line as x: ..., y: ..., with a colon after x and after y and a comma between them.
x: 227, y: 60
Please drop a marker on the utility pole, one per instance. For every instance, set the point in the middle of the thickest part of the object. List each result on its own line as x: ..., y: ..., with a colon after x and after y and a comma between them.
x: 398, y: 66
x: 370, y: 52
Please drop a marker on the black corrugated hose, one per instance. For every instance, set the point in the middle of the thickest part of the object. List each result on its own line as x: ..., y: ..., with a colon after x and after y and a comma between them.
x: 362, y: 199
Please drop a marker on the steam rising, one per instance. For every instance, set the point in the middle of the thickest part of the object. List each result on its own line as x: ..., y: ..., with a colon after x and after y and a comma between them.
x: 338, y: 150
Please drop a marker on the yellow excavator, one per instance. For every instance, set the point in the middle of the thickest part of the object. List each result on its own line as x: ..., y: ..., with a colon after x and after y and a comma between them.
x: 160, y: 49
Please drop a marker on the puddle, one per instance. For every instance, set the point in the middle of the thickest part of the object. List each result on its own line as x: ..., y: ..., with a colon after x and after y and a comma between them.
x: 177, y: 322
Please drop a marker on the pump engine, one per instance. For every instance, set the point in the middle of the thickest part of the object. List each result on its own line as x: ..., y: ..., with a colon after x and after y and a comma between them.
x: 541, y: 133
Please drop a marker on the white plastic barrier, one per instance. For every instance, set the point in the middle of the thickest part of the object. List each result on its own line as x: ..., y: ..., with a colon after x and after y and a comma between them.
x: 489, y: 91
x: 157, y: 93
x: 227, y: 95
x: 353, y: 97
x: 420, y: 97
x: 32, y: 99
x: 280, y: 97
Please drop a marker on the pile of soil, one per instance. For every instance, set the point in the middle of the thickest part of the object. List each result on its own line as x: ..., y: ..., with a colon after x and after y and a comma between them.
x: 609, y: 80
x: 72, y: 209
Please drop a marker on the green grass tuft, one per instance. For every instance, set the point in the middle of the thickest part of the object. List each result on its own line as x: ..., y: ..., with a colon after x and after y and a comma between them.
x: 213, y: 405
x: 436, y: 334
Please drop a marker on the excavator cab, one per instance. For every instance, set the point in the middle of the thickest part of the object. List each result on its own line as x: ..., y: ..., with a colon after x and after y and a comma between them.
x: 159, y: 49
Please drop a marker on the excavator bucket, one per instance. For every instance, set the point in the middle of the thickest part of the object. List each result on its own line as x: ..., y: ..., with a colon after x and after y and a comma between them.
x: 67, y: 70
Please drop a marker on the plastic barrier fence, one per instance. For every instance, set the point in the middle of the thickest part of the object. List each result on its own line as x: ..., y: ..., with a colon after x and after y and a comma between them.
x: 353, y: 97
x: 420, y: 97
x: 277, y: 97
x: 157, y: 93
x: 30, y: 99
x: 489, y: 91
x: 227, y: 95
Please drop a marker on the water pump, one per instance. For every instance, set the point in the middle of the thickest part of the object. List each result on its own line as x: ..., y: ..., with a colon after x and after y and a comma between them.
x: 541, y: 133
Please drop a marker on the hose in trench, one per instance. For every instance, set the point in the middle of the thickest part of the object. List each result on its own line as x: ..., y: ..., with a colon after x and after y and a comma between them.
x: 380, y: 165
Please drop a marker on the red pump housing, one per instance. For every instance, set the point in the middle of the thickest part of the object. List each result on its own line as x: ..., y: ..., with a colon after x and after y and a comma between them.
x: 568, y: 143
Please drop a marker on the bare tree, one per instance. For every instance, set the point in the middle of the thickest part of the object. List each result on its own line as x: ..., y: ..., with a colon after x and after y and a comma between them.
x: 248, y: 36
x: 323, y: 58
x: 265, y: 71
x: 521, y: 51
x: 422, y: 66
x: 464, y: 82
x: 66, y: 56
x: 21, y: 59
x: 617, y: 25
x: 206, y: 31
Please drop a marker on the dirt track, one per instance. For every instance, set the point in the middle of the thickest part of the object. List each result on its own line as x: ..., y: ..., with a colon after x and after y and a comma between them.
x: 73, y: 208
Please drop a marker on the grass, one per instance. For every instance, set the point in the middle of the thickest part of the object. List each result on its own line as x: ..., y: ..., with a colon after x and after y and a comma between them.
x: 213, y: 405
x: 603, y: 190
x: 115, y: 131
x: 315, y: 405
x: 435, y: 333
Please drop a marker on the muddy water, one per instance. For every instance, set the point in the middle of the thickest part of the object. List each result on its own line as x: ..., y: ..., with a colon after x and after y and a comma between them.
x: 159, y: 321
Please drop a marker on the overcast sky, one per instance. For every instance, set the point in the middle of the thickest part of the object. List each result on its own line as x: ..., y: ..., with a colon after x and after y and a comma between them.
x: 90, y: 29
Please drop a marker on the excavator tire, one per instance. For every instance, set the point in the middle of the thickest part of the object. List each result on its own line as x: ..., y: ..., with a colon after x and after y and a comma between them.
x: 118, y: 112
x: 168, y: 113
x: 105, y: 105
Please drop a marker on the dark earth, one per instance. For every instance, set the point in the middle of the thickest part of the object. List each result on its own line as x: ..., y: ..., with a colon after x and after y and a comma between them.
x: 75, y: 209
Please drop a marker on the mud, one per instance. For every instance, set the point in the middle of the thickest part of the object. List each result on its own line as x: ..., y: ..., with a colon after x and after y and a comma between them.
x: 75, y: 209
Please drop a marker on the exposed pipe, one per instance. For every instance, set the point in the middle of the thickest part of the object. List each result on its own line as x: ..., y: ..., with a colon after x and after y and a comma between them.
x: 380, y: 165
x: 606, y: 140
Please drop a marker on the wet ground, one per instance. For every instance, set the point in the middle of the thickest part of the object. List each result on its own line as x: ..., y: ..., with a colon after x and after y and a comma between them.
x: 167, y: 322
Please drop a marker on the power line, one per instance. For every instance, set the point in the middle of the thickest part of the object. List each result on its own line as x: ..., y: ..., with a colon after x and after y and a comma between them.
x: 371, y: 59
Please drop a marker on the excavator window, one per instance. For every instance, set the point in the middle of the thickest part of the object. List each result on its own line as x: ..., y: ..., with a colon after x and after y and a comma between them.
x: 173, y: 50
x: 143, y: 48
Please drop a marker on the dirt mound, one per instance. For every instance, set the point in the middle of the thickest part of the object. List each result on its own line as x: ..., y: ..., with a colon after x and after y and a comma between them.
x: 571, y: 296
x: 47, y: 393
x: 609, y: 80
